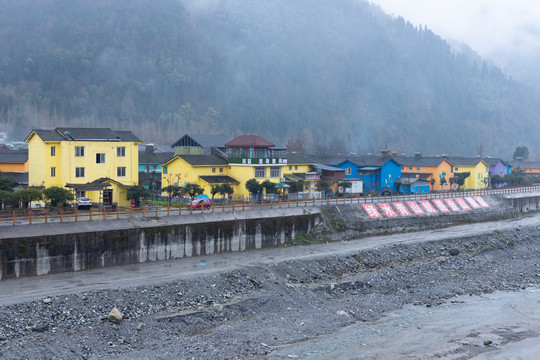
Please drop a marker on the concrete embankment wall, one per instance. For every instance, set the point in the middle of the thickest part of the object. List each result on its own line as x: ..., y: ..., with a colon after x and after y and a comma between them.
x: 62, y: 247
x: 351, y: 221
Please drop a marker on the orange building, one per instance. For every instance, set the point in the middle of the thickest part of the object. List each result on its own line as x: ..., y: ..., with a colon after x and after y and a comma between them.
x: 436, y: 170
x: 14, y: 160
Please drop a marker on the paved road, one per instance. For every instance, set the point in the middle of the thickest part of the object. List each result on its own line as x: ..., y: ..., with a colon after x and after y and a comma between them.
x: 17, y: 290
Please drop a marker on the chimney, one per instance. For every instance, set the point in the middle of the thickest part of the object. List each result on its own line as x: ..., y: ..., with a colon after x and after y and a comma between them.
x: 385, y: 154
x: 417, y: 155
x: 149, y: 148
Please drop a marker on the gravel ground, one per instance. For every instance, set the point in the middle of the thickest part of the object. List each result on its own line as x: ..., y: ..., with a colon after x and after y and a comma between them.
x: 249, y: 312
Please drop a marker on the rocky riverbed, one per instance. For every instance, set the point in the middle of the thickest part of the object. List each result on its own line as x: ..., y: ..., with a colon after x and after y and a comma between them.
x: 252, y: 311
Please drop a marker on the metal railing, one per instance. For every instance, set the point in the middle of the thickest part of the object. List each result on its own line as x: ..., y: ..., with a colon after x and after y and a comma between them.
x: 53, y: 215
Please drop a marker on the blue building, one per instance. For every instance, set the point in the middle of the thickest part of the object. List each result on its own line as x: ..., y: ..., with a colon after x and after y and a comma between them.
x: 376, y: 172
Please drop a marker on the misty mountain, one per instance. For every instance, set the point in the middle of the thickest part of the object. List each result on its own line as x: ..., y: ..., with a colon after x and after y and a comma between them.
x: 329, y: 72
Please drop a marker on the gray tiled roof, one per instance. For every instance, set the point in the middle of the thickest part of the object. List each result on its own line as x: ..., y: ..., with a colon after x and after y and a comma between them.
x: 204, y: 141
x: 13, y: 156
x: 493, y: 161
x: 155, y: 158
x: 86, y: 134
x: 49, y: 135
x: 19, y: 176
x: 204, y: 160
x: 422, y: 161
x: 127, y: 136
x: 299, y: 159
x: 462, y: 161
x: 525, y: 164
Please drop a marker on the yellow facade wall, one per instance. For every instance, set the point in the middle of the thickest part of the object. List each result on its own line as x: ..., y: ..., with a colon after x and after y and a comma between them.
x: 479, y: 175
x: 180, y: 172
x: 42, y: 160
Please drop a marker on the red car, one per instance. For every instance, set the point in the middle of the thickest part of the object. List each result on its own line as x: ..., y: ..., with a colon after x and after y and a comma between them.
x: 199, y: 204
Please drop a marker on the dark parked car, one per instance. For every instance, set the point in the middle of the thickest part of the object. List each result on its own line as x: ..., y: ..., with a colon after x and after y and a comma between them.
x: 199, y: 203
x: 386, y: 191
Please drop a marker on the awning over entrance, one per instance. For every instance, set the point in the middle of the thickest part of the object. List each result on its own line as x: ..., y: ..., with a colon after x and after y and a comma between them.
x: 96, y: 185
x: 218, y: 179
x: 282, y: 186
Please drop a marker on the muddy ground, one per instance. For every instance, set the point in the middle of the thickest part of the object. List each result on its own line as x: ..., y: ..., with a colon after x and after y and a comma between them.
x: 254, y: 310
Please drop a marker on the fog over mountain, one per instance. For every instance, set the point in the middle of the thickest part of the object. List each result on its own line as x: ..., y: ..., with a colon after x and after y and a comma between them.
x: 505, y: 32
x: 341, y: 75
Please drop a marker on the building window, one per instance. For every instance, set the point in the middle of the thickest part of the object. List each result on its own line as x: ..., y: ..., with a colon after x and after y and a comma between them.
x: 165, y: 170
x: 456, y: 169
x: 121, y: 151
x: 53, y: 150
x: 417, y: 168
x: 79, y: 172
x: 348, y: 171
x: 295, y: 167
x: 290, y: 167
x: 53, y: 171
x: 213, y: 170
x: 220, y: 170
x: 100, y: 158
x: 275, y: 172
x: 121, y: 171
x: 260, y: 172
x: 79, y: 150
x: 80, y: 193
x: 410, y: 167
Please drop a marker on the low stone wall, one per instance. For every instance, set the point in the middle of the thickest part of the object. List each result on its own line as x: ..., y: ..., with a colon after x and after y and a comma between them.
x: 51, y: 248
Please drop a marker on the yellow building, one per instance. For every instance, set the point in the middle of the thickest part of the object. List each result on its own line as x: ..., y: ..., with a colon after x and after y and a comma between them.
x: 436, y: 170
x: 204, y: 170
x: 301, y: 168
x: 98, y: 163
x: 478, y: 169
x: 246, y: 157
x: 252, y: 157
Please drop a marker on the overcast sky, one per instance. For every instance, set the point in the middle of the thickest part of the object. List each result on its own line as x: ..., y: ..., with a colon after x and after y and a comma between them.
x: 504, y: 31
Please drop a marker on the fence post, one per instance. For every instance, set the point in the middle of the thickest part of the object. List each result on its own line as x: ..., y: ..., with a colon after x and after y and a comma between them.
x: 30, y: 216
x: 156, y: 209
x: 212, y: 208
x: 76, y: 214
x: 90, y: 209
x: 45, y: 216
x: 130, y: 211
x: 280, y: 203
x: 253, y: 204
x: 288, y: 202
x: 104, y: 213
x: 271, y: 202
x: 262, y: 204
x: 13, y: 213
x: 223, y: 206
x: 117, y: 212
x: 168, y: 209
x: 61, y: 215
x: 297, y: 201
x: 143, y: 210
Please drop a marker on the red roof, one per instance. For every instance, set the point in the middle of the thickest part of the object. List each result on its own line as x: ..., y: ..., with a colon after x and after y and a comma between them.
x: 245, y: 141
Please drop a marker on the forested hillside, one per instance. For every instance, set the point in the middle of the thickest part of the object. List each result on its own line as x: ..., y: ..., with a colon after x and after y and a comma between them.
x: 329, y: 72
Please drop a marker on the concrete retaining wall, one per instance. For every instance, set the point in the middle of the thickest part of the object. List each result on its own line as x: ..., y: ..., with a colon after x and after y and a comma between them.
x: 523, y: 203
x: 52, y: 248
